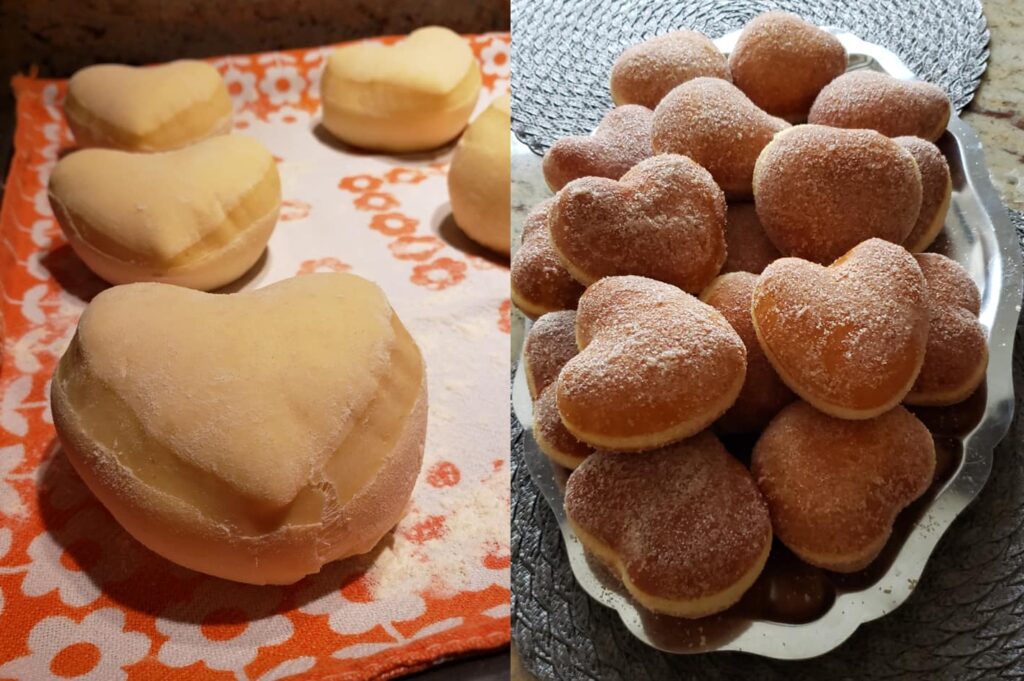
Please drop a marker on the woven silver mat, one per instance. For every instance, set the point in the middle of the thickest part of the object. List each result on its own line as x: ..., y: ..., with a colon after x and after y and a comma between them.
x: 966, y: 618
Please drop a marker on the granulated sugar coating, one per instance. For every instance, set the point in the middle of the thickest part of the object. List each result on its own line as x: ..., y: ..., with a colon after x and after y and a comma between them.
x: 849, y: 338
x: 549, y: 345
x: 748, y: 248
x: 685, y: 522
x: 936, y: 187
x: 656, y: 365
x: 552, y: 437
x: 645, y: 73
x: 540, y: 282
x: 622, y: 140
x: 834, y: 486
x: 665, y: 219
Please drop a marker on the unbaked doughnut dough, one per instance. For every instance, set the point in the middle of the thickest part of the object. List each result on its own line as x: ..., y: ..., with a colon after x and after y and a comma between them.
x: 254, y: 436
x: 197, y: 217
x: 412, y: 96
x: 478, y: 179
x: 155, y: 108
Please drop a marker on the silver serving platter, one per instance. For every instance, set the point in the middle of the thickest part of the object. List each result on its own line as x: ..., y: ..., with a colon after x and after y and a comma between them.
x: 978, y: 235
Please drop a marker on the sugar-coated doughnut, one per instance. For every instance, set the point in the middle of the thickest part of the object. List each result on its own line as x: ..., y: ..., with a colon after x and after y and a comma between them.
x: 655, y: 366
x: 782, y: 62
x: 646, y: 72
x: 893, y: 107
x: 551, y: 435
x: 622, y: 139
x: 849, y: 338
x: 957, y: 355
x: 540, y: 282
x: 415, y: 95
x: 479, y: 178
x: 748, y: 248
x: 936, y: 190
x: 197, y: 217
x: 226, y: 440
x: 820, y: 191
x: 155, y: 108
x: 550, y: 343
x: 683, y: 527
x: 715, y: 124
x: 834, y: 487
x: 665, y: 219
x: 764, y: 393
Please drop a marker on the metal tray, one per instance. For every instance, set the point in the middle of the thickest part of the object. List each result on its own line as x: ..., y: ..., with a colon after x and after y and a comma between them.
x: 979, y: 236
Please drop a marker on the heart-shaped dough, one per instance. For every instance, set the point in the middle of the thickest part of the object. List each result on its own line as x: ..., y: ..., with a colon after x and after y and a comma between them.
x: 253, y: 436
x: 645, y: 73
x: 849, y: 338
x: 820, y: 191
x: 656, y: 365
x: 197, y: 217
x: 936, y: 191
x: 683, y: 527
x: 834, y: 487
x: 417, y: 94
x: 155, y: 108
x: 712, y: 122
x: 748, y: 248
x: 665, y: 219
x: 622, y: 140
x: 540, y: 282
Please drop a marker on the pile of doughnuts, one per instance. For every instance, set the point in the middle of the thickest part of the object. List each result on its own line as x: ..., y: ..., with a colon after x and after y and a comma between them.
x: 738, y: 249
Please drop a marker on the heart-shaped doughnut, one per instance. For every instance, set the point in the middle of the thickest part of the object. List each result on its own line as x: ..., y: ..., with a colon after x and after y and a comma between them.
x: 253, y: 436
x: 411, y: 96
x: 154, y: 108
x: 646, y: 72
x: 197, y: 217
x: 821, y: 191
x: 712, y: 121
x: 782, y: 62
x: 957, y: 354
x: 622, y: 139
x: 665, y: 219
x: 748, y: 248
x: 936, y: 191
x: 849, y: 338
x: 893, y: 107
x: 683, y: 527
x: 834, y: 487
x: 656, y: 365
x: 540, y: 282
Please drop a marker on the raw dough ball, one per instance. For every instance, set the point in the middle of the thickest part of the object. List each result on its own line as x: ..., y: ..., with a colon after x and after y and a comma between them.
x: 412, y: 96
x: 254, y: 436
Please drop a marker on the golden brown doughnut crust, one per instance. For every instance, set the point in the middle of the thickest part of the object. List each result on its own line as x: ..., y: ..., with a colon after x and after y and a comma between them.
x: 550, y: 343
x: 557, y: 443
x: 936, y: 188
x: 820, y: 191
x: 764, y: 393
x: 782, y: 62
x: 957, y: 354
x: 834, y: 487
x: 893, y: 107
x: 712, y: 121
x: 748, y: 248
x: 540, y: 282
x: 665, y: 219
x: 645, y: 73
x: 655, y: 366
x: 684, y: 527
x: 849, y: 338
x: 622, y: 140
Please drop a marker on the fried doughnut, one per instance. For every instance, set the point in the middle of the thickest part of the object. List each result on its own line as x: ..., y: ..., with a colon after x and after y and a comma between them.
x: 683, y: 527
x: 553, y: 438
x: 936, y: 190
x: 748, y: 248
x: 712, y: 121
x: 849, y: 338
x: 764, y: 393
x: 540, y: 282
x: 877, y: 101
x: 550, y: 343
x: 957, y: 355
x: 821, y: 191
x: 782, y: 62
x: 665, y: 219
x: 645, y: 73
x: 834, y: 487
x: 622, y: 140
x: 655, y: 366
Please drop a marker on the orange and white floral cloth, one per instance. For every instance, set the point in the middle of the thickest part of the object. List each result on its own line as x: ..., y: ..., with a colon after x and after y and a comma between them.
x: 79, y: 598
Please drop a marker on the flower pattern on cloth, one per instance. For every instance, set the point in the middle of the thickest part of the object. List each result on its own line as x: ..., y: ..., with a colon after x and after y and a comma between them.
x: 80, y: 598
